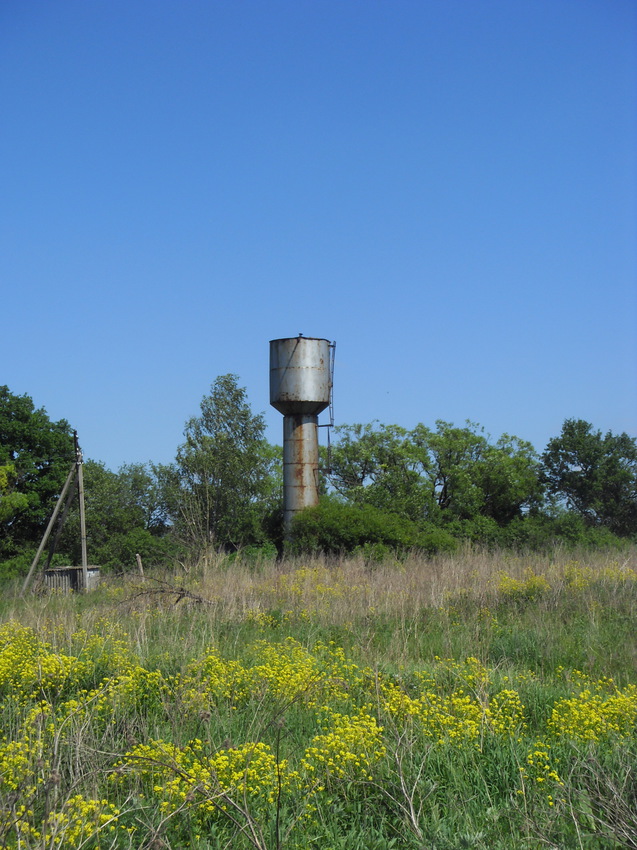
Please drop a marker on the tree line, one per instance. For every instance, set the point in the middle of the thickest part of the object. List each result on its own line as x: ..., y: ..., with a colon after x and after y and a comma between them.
x: 383, y: 488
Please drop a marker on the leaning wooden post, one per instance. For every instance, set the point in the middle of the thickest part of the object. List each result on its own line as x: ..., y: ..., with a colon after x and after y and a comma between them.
x: 56, y: 537
x: 49, y: 527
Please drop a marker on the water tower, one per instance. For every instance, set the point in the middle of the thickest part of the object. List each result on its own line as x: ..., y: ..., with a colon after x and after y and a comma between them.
x: 301, y: 371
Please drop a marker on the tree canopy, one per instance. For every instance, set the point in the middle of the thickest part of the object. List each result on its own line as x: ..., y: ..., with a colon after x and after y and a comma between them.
x: 595, y: 475
x: 225, y: 471
x: 439, y: 475
x: 388, y: 488
x: 124, y: 517
x: 35, y: 457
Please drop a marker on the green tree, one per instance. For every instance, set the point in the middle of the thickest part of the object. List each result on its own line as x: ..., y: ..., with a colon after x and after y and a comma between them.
x: 594, y: 475
x: 11, y: 502
x: 36, y: 455
x: 124, y: 517
x: 509, y: 476
x: 224, y: 471
x: 436, y: 476
x: 455, y: 453
x: 382, y: 466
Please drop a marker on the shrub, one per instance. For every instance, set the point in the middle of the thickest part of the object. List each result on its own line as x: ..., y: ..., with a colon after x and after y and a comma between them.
x: 119, y: 552
x: 336, y: 527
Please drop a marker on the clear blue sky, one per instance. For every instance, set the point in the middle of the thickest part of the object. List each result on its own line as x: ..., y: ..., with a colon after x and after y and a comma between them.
x: 447, y: 188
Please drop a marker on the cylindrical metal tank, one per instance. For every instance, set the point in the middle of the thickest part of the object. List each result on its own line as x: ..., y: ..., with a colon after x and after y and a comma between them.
x: 300, y: 375
x: 300, y: 388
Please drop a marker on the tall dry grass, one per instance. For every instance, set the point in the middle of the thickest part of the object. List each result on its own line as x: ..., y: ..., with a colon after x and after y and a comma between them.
x: 403, y: 606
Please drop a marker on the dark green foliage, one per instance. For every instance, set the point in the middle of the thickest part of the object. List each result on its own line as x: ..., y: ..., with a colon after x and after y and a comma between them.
x: 534, y: 532
x: 225, y: 479
x: 36, y: 455
x: 493, y: 493
x: 436, y: 476
x: 12, y: 502
x: 383, y: 467
x: 483, y: 530
x: 508, y: 474
x: 123, y: 518
x: 17, y: 565
x: 333, y: 526
x: 571, y: 530
x: 120, y: 550
x: 594, y: 475
x: 392, y: 489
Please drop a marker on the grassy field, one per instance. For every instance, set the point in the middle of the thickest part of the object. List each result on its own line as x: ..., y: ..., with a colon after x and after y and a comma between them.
x: 475, y: 701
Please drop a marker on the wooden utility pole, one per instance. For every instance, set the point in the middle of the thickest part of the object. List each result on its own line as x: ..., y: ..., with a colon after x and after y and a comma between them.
x: 76, y: 478
x: 79, y: 462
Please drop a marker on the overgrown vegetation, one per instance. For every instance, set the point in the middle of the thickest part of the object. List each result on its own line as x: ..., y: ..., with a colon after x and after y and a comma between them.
x: 441, y: 656
x: 475, y: 699
x: 387, y: 490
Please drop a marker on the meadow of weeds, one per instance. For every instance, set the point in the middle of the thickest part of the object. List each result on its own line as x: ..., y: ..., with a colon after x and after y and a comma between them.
x: 480, y: 700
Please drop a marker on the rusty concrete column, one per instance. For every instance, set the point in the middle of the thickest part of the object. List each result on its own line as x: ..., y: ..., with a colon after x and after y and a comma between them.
x: 300, y: 464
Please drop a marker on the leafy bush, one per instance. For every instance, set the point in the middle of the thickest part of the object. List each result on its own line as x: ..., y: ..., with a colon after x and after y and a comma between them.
x: 119, y: 551
x: 255, y: 554
x: 17, y: 565
x: 541, y: 532
x: 534, y: 532
x: 483, y: 530
x: 336, y: 527
x: 434, y: 539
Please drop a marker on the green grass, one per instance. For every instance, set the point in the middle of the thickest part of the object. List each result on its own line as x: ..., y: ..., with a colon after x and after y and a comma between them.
x: 471, y: 701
